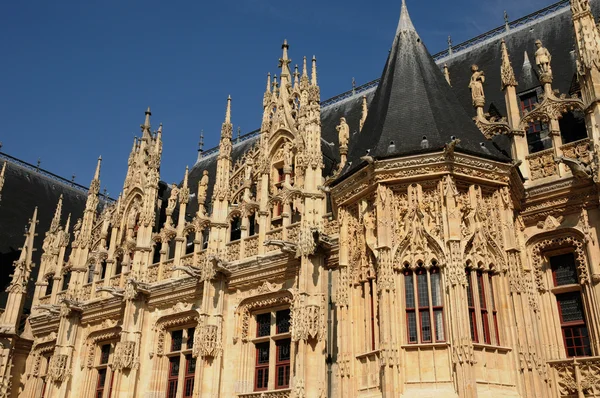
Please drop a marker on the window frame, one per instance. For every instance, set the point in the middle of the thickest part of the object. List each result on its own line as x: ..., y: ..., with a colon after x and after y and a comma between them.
x: 273, y: 341
x: 104, y: 365
x: 422, y: 310
x: 483, y: 311
x: 562, y: 290
x: 180, y: 351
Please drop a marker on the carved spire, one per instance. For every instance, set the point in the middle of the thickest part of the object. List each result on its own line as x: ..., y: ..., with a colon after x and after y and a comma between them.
x: 146, y: 126
x: 506, y: 70
x: 201, y: 145
x: 313, y: 79
x: 17, y: 289
x: 296, y: 76
x: 224, y: 159
x: 2, y: 174
x: 404, y: 24
x: 365, y: 111
x: 284, y: 64
x: 57, y: 213
x: 447, y: 74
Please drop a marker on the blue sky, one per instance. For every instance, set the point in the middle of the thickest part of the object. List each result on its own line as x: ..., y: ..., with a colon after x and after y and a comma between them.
x: 77, y: 76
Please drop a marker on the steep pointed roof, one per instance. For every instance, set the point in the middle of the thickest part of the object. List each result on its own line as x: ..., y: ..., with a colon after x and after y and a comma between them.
x: 414, y: 110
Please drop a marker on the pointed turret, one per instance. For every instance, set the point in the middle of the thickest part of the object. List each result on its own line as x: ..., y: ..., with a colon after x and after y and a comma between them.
x: 57, y: 213
x: 313, y: 79
x: 200, y: 146
x: 2, y: 174
x: 506, y: 70
x: 224, y: 158
x: 284, y: 64
x: 17, y: 289
x: 413, y: 100
x: 146, y: 126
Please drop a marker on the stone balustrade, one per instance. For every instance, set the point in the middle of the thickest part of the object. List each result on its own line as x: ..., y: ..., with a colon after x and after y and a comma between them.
x: 542, y: 164
x: 576, y: 377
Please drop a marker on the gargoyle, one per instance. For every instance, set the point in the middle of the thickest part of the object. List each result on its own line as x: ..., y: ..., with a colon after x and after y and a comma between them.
x: 115, y: 291
x: 50, y: 308
x: 579, y: 169
x: 140, y: 287
x: 220, y: 264
x: 192, y: 271
x: 71, y: 304
x: 449, y: 147
x: 285, y: 246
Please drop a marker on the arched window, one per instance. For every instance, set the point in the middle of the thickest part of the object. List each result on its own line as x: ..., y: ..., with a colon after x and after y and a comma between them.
x: 189, y: 244
x: 50, y: 284
x: 253, y: 226
x: 424, y: 305
x: 570, y: 305
x: 103, y: 270
x: 66, y: 280
x: 90, y: 275
x: 119, y: 264
x: 236, y: 229
x: 483, y: 317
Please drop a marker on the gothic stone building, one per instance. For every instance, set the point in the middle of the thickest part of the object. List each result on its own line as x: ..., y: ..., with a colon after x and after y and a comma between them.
x: 411, y: 238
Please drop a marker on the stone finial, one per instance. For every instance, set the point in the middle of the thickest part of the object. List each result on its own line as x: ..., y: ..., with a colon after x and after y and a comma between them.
x: 404, y: 24
x: 146, y: 126
x: 313, y: 79
x: 447, y: 74
x: 476, y: 86
x: 579, y: 7
x: 449, y: 45
x: 506, y: 70
x: 57, y: 213
x: 97, y: 172
x: 2, y: 177
x: 365, y: 112
x: 542, y: 60
x: 506, y: 23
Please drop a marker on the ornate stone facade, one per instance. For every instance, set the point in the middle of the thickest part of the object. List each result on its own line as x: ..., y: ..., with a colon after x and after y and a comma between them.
x: 440, y: 263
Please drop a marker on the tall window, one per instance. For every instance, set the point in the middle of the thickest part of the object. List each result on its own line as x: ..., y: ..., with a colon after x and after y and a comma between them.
x: 424, y: 305
x: 182, y: 366
x: 45, y: 363
x: 50, y: 284
x: 570, y: 306
x: 119, y: 264
x: 103, y: 270
x: 538, y: 137
x: 273, y: 349
x: 66, y: 280
x: 90, y: 275
x: 236, y: 229
x: 483, y: 317
x: 104, y: 382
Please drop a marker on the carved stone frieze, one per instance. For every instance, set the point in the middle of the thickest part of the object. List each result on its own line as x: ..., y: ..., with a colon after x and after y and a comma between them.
x: 207, y: 342
x: 58, y: 369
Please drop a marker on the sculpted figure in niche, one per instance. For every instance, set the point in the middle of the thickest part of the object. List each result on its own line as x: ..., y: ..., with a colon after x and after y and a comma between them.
x: 203, y: 185
x: 173, y: 198
x: 476, y: 86
x: 542, y: 58
x: 343, y: 132
x: 288, y: 156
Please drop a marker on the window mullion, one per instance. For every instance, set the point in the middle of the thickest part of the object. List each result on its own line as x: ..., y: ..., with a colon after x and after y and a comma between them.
x: 491, y: 307
x: 417, y: 315
x: 477, y: 304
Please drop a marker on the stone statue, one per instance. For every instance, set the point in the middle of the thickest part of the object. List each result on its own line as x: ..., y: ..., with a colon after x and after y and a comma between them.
x: 288, y: 156
x: 77, y: 230
x: 542, y: 58
x: 343, y: 132
x: 203, y: 185
x: 476, y: 86
x: 173, y: 198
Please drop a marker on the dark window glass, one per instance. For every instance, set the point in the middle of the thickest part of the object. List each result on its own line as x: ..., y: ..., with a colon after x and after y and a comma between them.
x: 176, y: 340
x: 263, y: 325
x: 174, y: 366
x: 50, y: 286
x: 574, y: 328
x: 262, y: 354
x: 104, y: 354
x: 103, y: 270
x: 564, y: 270
x: 66, y: 280
x: 283, y: 321
x: 190, y: 338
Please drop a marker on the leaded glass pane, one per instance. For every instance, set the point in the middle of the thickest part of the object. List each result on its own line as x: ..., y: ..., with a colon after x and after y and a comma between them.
x: 563, y: 269
x: 411, y: 320
x: 422, y: 289
x: 176, y: 340
x: 570, y: 307
x: 409, y: 290
x: 283, y: 321
x: 439, y: 325
x: 425, y: 326
x: 436, y: 289
x: 262, y: 353
x: 263, y: 325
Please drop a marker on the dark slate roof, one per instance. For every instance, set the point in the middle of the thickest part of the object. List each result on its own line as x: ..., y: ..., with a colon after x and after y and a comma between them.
x: 414, y: 109
x: 555, y: 30
x: 26, y: 187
